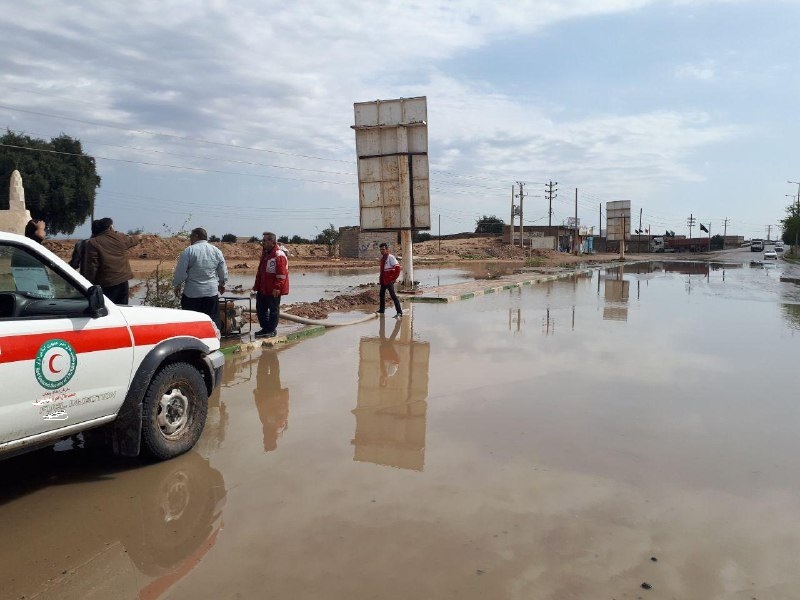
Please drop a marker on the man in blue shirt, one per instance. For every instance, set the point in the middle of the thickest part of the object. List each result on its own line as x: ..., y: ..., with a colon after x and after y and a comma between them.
x: 201, y: 267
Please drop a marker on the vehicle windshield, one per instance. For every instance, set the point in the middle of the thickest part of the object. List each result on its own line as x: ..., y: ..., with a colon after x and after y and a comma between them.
x: 24, y: 273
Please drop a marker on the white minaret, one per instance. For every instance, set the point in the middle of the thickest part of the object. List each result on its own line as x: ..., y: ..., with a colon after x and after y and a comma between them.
x: 17, y: 216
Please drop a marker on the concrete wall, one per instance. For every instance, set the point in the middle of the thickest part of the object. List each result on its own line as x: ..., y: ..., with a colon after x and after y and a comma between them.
x: 353, y: 243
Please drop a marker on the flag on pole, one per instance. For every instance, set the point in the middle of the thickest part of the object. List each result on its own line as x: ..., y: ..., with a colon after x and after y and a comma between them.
x: 703, y: 228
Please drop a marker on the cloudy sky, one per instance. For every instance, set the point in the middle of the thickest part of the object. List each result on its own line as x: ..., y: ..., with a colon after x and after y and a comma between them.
x: 236, y: 116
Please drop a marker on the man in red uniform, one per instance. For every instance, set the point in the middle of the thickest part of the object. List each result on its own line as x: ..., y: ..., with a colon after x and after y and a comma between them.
x: 272, y: 282
x: 390, y: 271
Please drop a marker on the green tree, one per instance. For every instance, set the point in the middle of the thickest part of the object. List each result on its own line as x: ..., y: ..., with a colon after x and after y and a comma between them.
x: 328, y: 236
x: 422, y: 236
x: 717, y: 242
x: 791, y: 224
x: 229, y: 238
x: 60, y: 180
x: 296, y: 239
x: 489, y: 224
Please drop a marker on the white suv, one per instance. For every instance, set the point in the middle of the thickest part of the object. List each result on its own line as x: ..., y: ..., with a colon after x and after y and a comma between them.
x: 72, y: 361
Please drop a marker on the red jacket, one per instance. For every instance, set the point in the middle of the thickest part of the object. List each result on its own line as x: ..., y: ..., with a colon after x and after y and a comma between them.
x: 273, y: 272
x: 391, y: 271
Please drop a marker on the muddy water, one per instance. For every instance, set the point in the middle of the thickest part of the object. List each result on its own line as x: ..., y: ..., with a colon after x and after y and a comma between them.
x: 543, y: 443
x: 310, y: 286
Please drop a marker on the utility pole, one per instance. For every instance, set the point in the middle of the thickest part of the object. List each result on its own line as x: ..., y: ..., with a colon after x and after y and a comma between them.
x: 769, y: 231
x: 640, y: 231
x: 690, y: 222
x: 600, y: 227
x: 511, y: 233
x: 725, y: 232
x: 575, y: 243
x: 521, y: 222
x: 550, y: 194
x: 440, y: 233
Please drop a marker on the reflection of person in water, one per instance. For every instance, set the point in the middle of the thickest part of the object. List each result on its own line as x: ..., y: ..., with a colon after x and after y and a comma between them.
x: 272, y: 401
x: 390, y: 359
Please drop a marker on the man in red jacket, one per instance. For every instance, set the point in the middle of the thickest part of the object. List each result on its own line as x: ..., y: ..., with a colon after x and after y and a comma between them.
x: 272, y: 282
x: 390, y: 271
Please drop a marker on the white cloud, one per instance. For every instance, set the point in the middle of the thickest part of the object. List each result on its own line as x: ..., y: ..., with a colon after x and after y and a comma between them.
x: 703, y: 71
x: 283, y: 76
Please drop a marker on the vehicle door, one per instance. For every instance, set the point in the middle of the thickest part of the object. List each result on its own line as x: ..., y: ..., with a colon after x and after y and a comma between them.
x: 59, y: 365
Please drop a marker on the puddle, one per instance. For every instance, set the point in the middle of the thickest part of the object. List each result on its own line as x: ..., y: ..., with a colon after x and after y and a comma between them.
x: 310, y: 286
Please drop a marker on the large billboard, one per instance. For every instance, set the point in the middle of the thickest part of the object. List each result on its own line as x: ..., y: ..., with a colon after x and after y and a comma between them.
x: 393, y: 173
x: 618, y: 220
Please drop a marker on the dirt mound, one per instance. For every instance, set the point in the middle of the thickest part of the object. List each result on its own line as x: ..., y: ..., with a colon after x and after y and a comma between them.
x: 342, y: 303
x: 154, y: 247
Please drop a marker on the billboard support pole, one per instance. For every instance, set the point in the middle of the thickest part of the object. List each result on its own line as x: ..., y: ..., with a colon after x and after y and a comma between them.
x: 406, y: 207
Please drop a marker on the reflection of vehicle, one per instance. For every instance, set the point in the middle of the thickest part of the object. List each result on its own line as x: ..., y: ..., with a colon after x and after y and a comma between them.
x: 105, y: 533
x: 770, y: 254
x: 79, y: 362
x: 756, y: 245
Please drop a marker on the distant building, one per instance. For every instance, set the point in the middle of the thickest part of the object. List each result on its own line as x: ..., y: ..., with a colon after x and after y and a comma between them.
x: 354, y: 243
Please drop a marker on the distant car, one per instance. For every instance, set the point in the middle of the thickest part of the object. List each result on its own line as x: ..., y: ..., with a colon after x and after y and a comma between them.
x: 770, y: 254
x: 778, y: 249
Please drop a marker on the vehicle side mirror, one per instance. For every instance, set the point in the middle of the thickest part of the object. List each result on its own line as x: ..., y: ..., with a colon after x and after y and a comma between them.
x: 97, y: 302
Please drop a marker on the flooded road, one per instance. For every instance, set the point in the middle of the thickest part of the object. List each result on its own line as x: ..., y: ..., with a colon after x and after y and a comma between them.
x: 548, y: 442
x: 313, y: 285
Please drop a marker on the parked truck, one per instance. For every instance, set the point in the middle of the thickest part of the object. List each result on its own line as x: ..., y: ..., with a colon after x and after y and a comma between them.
x: 71, y: 361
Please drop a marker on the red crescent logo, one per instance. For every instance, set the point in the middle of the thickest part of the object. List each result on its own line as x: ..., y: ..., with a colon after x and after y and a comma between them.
x: 50, y: 363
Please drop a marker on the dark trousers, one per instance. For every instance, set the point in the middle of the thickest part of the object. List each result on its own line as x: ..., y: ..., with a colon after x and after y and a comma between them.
x: 118, y: 294
x: 208, y: 305
x: 268, y: 311
x: 390, y: 287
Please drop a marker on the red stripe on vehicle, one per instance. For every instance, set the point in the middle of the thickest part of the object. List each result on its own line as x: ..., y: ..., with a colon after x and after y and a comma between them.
x: 14, y: 348
x: 147, y: 335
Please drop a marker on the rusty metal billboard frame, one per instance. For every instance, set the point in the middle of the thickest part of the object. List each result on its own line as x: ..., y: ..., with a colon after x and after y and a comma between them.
x: 393, y: 170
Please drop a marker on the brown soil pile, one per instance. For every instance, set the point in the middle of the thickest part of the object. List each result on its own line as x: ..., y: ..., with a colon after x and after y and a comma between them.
x: 342, y: 303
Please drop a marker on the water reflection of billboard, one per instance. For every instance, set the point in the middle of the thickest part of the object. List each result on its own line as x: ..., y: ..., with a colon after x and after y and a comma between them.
x: 392, y: 392
x: 616, y: 300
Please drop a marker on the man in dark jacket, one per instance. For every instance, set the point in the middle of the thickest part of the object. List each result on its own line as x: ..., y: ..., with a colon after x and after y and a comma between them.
x: 107, y: 262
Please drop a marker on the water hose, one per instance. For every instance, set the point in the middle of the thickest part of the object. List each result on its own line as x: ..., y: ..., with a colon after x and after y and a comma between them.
x: 305, y: 321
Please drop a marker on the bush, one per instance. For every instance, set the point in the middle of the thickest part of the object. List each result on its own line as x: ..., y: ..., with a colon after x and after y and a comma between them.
x: 159, y: 290
x: 284, y: 239
x: 296, y: 239
x: 253, y: 239
x: 422, y: 237
x: 229, y: 238
x: 213, y: 238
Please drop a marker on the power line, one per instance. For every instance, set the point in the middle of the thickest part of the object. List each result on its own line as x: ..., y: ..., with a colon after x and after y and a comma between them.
x: 180, y: 167
x: 169, y: 135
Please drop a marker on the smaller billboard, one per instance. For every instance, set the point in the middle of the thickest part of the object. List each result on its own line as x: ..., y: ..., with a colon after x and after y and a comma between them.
x: 618, y: 220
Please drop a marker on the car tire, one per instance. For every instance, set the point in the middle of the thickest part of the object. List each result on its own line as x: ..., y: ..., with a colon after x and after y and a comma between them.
x: 174, y: 411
